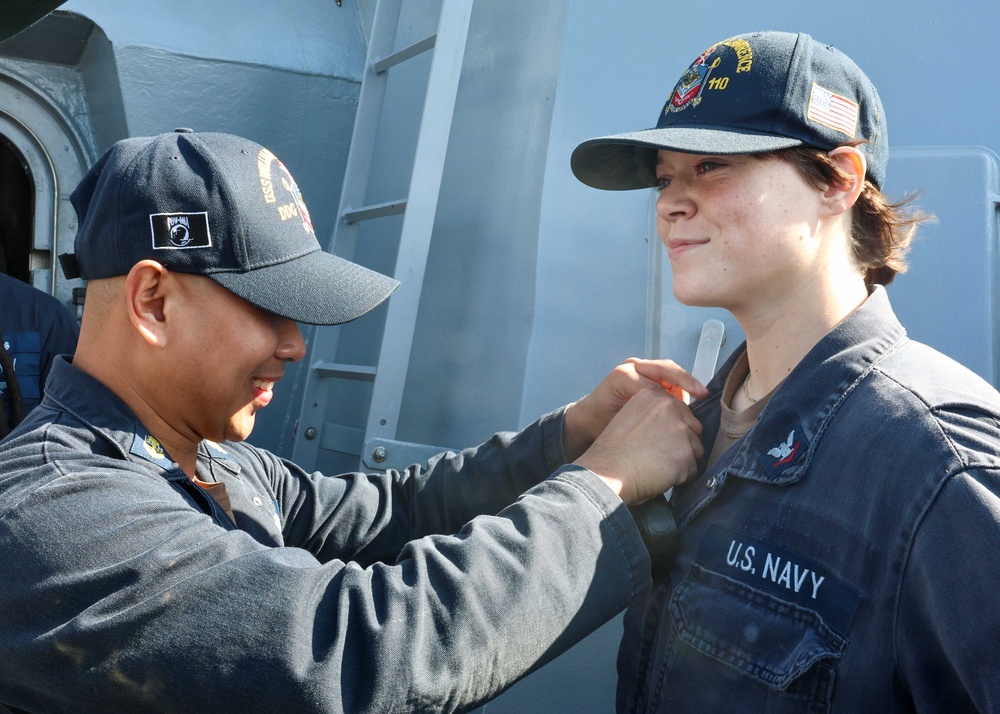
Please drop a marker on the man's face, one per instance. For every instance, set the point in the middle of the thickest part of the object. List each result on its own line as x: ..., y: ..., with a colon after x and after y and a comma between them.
x: 229, y: 356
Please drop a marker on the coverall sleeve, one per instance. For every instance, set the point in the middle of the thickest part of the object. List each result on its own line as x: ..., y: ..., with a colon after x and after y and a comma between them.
x: 368, y: 518
x: 947, y: 629
x: 128, y: 599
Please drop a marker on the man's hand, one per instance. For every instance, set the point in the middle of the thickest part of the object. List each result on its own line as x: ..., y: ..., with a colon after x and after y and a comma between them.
x: 652, y: 444
x: 587, y: 418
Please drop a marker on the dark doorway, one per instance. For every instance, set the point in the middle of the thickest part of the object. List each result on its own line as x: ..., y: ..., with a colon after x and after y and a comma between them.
x: 17, y: 211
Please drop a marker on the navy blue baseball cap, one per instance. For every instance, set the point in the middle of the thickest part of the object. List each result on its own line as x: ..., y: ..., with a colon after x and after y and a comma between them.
x: 220, y: 206
x: 749, y: 94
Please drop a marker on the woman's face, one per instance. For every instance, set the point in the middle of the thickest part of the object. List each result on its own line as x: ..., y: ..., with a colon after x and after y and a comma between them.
x: 742, y: 232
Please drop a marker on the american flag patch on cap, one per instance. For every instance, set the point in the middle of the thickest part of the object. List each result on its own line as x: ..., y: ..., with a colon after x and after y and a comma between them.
x: 833, y: 110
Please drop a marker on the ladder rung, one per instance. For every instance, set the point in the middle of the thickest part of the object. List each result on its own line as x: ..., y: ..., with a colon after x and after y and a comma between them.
x: 381, y: 65
x: 359, y: 372
x: 352, y: 215
x: 345, y: 439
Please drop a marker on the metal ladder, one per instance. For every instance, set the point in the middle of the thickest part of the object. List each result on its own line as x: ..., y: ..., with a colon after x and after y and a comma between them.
x: 375, y: 443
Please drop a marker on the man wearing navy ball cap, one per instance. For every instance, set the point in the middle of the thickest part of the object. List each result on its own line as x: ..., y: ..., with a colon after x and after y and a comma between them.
x: 153, y: 561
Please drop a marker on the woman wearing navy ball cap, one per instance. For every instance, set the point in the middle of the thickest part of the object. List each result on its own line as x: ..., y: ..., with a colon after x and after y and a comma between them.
x: 838, y: 548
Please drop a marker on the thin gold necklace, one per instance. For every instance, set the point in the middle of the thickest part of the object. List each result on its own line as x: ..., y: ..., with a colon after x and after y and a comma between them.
x: 745, y: 391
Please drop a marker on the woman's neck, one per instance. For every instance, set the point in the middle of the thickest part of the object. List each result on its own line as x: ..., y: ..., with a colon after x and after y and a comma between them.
x: 781, y: 333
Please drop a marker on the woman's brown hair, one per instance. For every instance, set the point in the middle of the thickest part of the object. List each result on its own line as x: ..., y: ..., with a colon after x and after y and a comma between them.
x: 881, y: 231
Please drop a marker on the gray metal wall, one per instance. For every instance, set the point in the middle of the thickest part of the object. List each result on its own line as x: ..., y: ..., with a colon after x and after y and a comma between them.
x: 475, y: 321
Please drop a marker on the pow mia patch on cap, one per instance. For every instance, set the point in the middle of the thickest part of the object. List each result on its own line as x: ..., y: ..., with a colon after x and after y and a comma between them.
x: 180, y: 231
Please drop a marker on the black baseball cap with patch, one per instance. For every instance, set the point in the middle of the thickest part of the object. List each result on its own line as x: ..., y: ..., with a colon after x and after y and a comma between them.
x: 749, y: 94
x: 220, y: 206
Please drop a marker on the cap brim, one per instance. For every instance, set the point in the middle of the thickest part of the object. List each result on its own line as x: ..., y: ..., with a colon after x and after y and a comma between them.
x: 628, y: 161
x: 317, y: 288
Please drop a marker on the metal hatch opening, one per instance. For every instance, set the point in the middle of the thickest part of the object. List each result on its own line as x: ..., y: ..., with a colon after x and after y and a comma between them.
x: 17, y: 211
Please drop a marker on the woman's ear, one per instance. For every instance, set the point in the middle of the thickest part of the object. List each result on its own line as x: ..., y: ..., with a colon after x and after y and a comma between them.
x: 853, y: 167
x: 145, y: 294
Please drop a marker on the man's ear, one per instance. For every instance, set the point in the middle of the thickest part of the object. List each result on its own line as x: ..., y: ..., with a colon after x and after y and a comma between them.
x: 146, y: 290
x: 852, y: 165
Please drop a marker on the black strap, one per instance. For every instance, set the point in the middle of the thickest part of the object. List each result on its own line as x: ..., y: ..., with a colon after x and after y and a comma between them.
x: 658, y: 528
x: 70, y: 268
